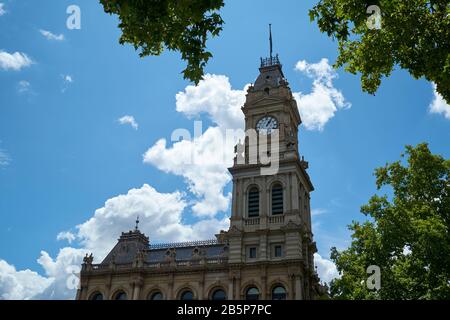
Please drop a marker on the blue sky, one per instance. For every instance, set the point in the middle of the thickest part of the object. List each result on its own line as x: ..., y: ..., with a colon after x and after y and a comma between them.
x: 64, y: 152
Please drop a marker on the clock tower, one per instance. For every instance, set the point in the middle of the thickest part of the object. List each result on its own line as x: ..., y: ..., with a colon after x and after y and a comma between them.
x: 271, y: 216
x: 268, y: 251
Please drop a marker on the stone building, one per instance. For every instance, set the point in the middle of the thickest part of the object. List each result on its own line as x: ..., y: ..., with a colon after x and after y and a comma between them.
x: 267, y: 253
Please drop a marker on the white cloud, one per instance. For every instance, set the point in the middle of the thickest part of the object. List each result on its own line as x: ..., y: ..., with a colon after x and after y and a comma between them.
x: 2, y: 10
x: 203, y: 160
x: 325, y: 268
x: 319, y: 106
x: 214, y: 96
x: 51, y: 36
x: 439, y: 105
x: 14, y: 61
x: 160, y: 218
x: 66, y: 235
x: 63, y: 272
x: 20, y: 285
x: 129, y: 120
x: 203, y: 163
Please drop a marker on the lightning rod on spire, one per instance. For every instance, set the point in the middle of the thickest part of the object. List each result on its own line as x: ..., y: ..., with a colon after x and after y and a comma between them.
x: 137, y: 223
x: 270, y: 39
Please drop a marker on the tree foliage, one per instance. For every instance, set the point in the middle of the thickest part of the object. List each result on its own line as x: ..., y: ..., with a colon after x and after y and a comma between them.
x: 180, y: 25
x: 414, y: 34
x: 406, y: 235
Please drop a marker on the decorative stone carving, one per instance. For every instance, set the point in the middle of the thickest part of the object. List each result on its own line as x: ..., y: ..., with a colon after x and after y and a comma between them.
x: 139, y: 260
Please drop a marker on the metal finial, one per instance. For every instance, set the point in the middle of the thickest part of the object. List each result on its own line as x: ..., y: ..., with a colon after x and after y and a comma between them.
x: 137, y: 224
x: 270, y: 38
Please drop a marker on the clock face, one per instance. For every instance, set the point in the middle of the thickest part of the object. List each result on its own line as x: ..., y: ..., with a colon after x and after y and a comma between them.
x: 267, y: 124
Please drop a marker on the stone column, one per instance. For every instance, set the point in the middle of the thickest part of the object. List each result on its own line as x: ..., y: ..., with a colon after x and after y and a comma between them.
x: 298, y: 288
x: 201, y: 288
x: 234, y: 203
x: 82, y: 293
x: 289, y: 193
x: 264, y: 209
x: 108, y: 282
x: 170, y: 293
x: 292, y: 287
x: 136, y: 292
x: 294, y: 186
x: 264, y: 288
x: 230, y: 289
x: 238, y: 288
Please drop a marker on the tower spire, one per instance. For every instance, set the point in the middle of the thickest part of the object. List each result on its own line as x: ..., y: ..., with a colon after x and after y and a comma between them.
x: 270, y: 39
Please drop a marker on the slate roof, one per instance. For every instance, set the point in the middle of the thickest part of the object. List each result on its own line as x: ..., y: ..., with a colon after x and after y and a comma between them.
x: 130, y: 243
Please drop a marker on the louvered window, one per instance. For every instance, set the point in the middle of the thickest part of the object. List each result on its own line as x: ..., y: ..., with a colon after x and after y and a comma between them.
x: 253, y: 202
x: 277, y: 199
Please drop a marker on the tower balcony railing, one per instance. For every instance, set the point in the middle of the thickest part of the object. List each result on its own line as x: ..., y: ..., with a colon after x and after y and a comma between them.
x: 276, y: 219
x: 271, y: 220
x: 271, y: 61
x: 252, y: 221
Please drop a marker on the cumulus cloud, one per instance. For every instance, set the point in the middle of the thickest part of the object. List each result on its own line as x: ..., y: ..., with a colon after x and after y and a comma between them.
x: 203, y: 162
x: 204, y: 159
x: 215, y: 97
x: 62, y: 273
x: 51, y: 36
x: 20, y: 285
x: 129, y: 120
x: 320, y: 105
x: 161, y: 218
x: 325, y: 268
x: 439, y: 105
x: 14, y: 61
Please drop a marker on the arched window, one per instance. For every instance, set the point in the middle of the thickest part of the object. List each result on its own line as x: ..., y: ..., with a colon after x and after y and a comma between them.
x: 252, y: 294
x: 155, y: 296
x: 187, y: 295
x: 96, y: 296
x: 253, y: 202
x: 120, y: 295
x: 277, y: 199
x: 219, y: 294
x: 279, y: 293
